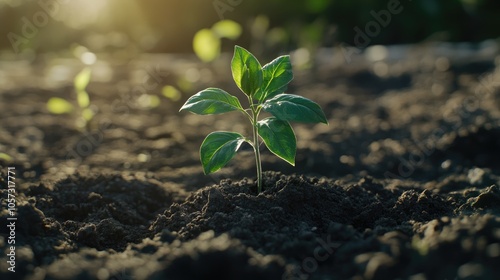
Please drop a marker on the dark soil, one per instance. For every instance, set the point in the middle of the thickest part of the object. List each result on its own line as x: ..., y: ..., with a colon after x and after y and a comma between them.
x: 402, y: 184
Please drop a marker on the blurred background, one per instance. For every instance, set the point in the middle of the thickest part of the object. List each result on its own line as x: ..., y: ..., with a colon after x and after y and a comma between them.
x: 133, y: 26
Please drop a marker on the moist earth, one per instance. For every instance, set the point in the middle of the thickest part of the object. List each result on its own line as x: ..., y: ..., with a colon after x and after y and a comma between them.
x: 402, y: 184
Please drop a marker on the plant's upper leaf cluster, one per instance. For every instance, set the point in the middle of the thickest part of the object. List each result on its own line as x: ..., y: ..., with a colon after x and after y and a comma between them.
x: 258, y: 82
x: 265, y: 86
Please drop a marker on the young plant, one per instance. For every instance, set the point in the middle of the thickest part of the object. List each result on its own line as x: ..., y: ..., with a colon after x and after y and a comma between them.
x: 207, y: 42
x: 264, y: 88
x: 5, y: 157
x: 58, y: 105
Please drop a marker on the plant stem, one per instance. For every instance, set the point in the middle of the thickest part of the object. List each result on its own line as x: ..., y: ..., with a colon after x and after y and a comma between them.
x: 257, y: 151
x: 255, y: 129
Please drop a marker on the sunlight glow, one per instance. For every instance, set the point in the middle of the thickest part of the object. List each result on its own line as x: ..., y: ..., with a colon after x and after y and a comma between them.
x: 80, y: 13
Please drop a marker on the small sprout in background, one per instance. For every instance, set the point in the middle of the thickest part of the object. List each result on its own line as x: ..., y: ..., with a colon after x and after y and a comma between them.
x: 184, y: 83
x: 264, y: 88
x: 81, y: 81
x: 57, y: 105
x: 171, y: 93
x: 227, y: 29
x: 5, y: 157
x: 207, y: 42
x: 206, y: 45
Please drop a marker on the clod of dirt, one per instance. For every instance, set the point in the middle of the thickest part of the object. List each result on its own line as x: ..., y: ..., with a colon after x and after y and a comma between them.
x: 206, y: 257
x: 471, y: 243
x: 488, y: 199
x: 103, y: 212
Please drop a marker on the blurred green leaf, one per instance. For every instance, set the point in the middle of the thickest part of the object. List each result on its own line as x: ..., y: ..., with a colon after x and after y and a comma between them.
x: 171, y: 93
x: 227, y: 29
x: 83, y: 98
x: 317, y: 6
x: 87, y: 114
x: 81, y: 82
x: 82, y: 79
x: 206, y: 45
x: 5, y: 157
x: 184, y: 84
x: 57, y: 105
x: 154, y: 101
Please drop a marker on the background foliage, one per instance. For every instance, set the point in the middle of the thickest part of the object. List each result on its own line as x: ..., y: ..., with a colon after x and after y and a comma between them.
x: 169, y: 25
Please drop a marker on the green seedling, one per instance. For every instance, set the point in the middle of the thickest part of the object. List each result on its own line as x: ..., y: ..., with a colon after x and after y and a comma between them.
x: 207, y: 42
x: 58, y: 105
x: 5, y: 157
x: 264, y: 88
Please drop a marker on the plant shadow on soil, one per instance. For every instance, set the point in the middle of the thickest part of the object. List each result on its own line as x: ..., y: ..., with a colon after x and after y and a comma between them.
x: 138, y: 206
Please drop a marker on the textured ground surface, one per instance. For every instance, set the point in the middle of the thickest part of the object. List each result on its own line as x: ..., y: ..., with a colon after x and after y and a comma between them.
x: 403, y: 183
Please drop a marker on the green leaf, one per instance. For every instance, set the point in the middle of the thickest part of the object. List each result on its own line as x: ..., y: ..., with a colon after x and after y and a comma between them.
x: 279, y: 138
x: 206, y: 45
x: 83, y: 99
x: 246, y: 69
x: 171, y: 93
x: 218, y: 149
x: 87, y: 114
x: 82, y: 79
x: 276, y: 76
x: 211, y: 101
x: 290, y: 107
x: 5, y: 157
x: 316, y: 6
x: 57, y: 105
x: 227, y: 29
